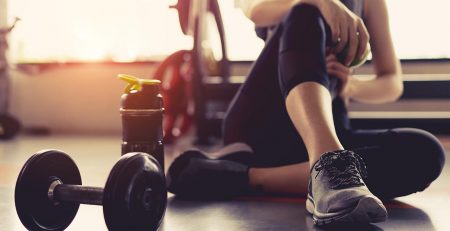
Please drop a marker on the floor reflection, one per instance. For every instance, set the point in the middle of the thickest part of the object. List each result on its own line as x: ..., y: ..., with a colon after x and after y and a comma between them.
x: 275, y: 214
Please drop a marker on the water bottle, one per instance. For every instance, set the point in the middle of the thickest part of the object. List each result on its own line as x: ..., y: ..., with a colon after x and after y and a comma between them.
x: 142, y: 112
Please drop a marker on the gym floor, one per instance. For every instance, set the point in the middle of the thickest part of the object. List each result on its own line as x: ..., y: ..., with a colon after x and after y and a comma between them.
x: 95, y: 155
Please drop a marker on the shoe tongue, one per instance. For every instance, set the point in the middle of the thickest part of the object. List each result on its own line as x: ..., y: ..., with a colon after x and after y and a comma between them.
x: 326, y: 159
x: 342, y: 167
x: 339, y: 163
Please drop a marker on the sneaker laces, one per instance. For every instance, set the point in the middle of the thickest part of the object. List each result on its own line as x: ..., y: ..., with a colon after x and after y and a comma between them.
x: 344, y: 168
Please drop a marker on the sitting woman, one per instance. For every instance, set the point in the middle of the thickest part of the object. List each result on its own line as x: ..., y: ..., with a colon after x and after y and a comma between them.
x: 287, y: 130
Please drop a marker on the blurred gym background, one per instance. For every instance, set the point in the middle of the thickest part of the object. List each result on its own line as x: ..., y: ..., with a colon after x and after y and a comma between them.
x: 64, y: 57
x: 58, y: 68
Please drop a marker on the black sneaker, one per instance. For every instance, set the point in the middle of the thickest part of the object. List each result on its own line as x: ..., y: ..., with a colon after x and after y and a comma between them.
x: 237, y: 152
x: 337, y: 193
x: 194, y: 176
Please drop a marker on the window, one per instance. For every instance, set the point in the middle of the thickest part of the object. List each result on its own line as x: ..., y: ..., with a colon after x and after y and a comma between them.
x: 94, y: 30
x: 139, y: 30
x: 419, y: 30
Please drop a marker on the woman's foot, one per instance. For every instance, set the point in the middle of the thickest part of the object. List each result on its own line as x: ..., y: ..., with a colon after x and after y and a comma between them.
x: 337, y: 193
x: 193, y: 175
x: 237, y: 152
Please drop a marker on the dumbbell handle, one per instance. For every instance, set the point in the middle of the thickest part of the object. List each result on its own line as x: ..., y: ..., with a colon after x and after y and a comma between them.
x: 59, y: 192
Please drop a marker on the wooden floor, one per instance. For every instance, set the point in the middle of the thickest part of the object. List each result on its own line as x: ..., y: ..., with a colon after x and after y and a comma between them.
x: 95, y: 155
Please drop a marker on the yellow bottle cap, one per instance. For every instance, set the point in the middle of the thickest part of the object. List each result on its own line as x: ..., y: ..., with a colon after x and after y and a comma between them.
x: 135, y: 83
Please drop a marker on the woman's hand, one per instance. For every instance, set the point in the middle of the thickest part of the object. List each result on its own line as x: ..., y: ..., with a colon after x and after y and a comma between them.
x: 346, y: 27
x: 335, y: 69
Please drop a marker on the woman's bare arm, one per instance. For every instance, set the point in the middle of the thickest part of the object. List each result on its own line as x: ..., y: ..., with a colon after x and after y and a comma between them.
x: 387, y: 86
x: 343, y: 23
x: 270, y: 12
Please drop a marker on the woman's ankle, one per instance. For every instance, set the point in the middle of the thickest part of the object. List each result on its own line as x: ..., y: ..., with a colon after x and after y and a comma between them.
x: 315, y: 154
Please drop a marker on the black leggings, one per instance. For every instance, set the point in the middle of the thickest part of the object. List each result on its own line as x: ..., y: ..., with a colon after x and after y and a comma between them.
x: 400, y: 161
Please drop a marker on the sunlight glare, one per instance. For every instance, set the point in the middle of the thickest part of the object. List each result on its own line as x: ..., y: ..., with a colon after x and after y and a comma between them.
x: 142, y: 30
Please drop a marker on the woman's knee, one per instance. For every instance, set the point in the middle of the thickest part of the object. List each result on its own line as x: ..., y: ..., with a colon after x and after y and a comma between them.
x: 302, y: 26
x: 409, y: 161
x: 302, y: 12
x: 302, y: 48
x: 424, y: 148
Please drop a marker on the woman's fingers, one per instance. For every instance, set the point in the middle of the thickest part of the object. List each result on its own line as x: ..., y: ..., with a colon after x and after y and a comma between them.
x: 342, y: 37
x: 345, y: 27
x: 351, y: 40
x: 363, y: 38
x: 352, y: 43
x: 335, y: 32
x: 338, y: 70
x: 330, y: 57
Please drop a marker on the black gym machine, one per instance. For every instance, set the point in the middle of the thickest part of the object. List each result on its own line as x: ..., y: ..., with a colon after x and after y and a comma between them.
x: 49, y: 189
x: 213, y: 87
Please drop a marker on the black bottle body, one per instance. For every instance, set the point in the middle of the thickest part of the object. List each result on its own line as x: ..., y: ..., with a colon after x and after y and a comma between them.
x: 142, y: 114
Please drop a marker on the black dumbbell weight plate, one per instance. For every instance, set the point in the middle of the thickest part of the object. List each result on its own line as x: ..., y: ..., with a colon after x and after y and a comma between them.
x: 33, y: 206
x: 135, y: 195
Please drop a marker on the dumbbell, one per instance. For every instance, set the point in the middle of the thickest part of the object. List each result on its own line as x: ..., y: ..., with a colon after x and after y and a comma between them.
x: 49, y: 191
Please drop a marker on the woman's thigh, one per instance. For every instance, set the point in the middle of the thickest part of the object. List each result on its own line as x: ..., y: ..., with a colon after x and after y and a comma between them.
x: 258, y: 94
x: 257, y: 114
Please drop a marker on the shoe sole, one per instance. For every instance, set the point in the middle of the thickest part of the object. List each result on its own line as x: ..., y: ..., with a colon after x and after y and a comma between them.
x: 368, y: 210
